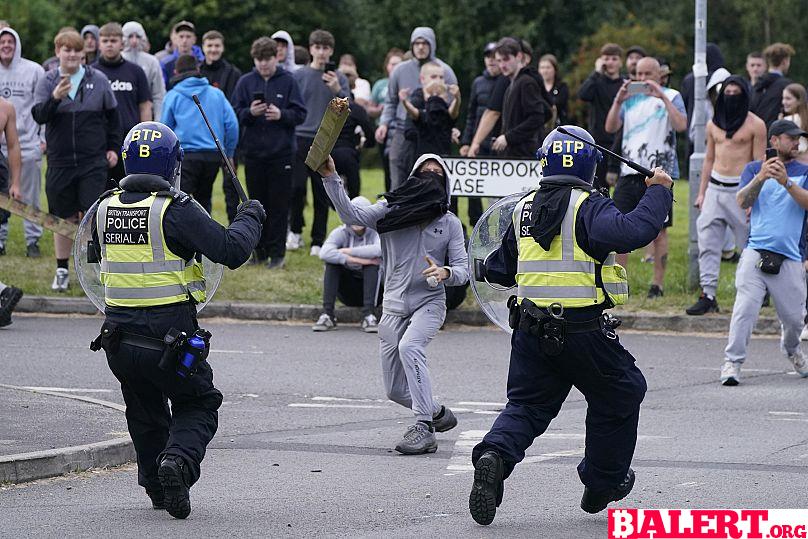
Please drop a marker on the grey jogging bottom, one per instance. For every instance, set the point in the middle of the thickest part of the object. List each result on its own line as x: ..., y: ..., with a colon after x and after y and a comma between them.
x: 787, y: 290
x: 402, y: 347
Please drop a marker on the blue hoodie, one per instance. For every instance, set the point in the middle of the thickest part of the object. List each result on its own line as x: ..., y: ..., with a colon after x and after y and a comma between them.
x: 181, y: 114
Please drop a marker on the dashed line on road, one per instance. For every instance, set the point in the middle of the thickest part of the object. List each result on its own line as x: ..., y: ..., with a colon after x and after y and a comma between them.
x: 67, y: 389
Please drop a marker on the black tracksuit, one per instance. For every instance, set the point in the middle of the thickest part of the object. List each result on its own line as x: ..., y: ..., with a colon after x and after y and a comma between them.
x: 346, y: 152
x: 767, y: 96
x: 599, y: 91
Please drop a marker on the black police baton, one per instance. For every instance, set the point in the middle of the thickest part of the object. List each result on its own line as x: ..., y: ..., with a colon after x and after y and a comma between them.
x: 237, y: 184
x: 639, y: 168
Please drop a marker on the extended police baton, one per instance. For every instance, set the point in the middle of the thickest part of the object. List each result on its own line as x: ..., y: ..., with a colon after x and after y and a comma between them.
x: 237, y: 184
x: 639, y: 168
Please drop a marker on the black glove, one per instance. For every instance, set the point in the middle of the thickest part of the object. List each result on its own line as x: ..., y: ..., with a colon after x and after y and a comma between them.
x: 254, y: 209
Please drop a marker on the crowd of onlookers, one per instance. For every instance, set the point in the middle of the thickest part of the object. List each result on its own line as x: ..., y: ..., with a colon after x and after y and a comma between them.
x: 78, y: 105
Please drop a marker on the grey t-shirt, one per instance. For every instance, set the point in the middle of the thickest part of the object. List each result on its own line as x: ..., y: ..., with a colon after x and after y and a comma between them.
x: 316, y: 95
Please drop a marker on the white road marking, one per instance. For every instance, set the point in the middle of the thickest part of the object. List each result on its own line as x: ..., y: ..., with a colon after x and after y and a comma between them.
x: 67, y: 389
x: 460, y: 461
x: 345, y: 399
x: 786, y: 413
x: 477, y: 403
x: 788, y: 419
x: 689, y: 484
x: 323, y: 405
x: 254, y: 352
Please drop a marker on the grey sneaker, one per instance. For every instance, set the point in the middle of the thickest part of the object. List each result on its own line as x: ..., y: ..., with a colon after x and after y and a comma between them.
x: 418, y: 440
x: 369, y: 324
x: 293, y: 241
x: 447, y: 421
x: 730, y: 373
x: 799, y: 363
x: 325, y: 323
x: 61, y: 281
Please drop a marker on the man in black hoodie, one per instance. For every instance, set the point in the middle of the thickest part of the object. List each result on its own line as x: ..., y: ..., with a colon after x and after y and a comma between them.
x: 768, y: 94
x: 222, y: 75
x: 525, y: 109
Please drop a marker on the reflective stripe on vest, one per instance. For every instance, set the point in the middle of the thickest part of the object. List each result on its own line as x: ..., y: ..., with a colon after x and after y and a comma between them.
x: 144, y: 274
x: 565, y: 274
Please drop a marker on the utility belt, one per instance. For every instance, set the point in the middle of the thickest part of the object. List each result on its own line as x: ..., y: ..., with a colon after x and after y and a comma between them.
x: 180, y: 353
x: 549, y: 325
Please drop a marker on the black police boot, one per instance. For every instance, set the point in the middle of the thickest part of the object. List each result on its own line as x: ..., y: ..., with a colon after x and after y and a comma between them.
x: 705, y: 304
x: 486, y: 493
x: 595, y: 502
x: 158, y: 500
x: 177, y: 498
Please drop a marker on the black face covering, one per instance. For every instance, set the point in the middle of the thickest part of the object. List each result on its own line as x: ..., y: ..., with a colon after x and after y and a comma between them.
x: 420, y: 199
x: 731, y: 110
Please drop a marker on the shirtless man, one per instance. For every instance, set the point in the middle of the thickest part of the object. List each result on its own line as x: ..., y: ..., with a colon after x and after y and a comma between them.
x: 735, y: 137
x: 9, y: 166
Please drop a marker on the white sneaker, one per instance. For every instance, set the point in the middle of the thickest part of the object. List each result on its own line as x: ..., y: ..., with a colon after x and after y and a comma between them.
x: 61, y: 281
x: 797, y: 359
x: 731, y: 373
x: 293, y: 241
x: 315, y: 250
x: 370, y: 324
x: 804, y: 334
x: 325, y: 323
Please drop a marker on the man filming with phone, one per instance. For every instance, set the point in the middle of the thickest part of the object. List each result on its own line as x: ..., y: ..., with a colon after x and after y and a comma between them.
x: 649, y: 116
x: 775, y: 190
x: 269, y: 106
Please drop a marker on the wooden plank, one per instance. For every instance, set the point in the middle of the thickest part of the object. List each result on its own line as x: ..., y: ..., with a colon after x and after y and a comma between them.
x: 334, y: 118
x: 51, y: 222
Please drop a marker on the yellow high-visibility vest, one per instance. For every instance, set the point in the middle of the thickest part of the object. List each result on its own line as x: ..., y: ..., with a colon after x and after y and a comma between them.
x: 137, y: 267
x: 565, y: 274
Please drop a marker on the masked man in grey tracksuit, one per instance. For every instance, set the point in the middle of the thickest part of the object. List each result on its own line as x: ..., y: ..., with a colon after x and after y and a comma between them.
x: 416, y: 229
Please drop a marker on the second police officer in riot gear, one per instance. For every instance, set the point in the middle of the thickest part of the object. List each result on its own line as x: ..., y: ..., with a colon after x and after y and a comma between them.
x: 150, y: 237
x: 559, y: 252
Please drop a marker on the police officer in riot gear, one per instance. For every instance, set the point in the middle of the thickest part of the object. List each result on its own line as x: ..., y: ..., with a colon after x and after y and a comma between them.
x: 150, y: 237
x: 559, y: 252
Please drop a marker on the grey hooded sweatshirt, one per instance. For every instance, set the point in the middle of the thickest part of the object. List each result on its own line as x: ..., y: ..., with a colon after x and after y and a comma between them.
x: 148, y: 62
x: 289, y: 63
x: 408, y: 75
x: 404, y: 250
x: 17, y: 84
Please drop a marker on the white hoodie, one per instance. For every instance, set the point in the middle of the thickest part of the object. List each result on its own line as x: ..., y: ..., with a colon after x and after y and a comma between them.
x: 17, y: 84
x: 289, y: 63
x: 148, y: 62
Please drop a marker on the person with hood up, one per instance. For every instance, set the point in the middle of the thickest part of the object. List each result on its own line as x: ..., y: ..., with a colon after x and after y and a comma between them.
x: 90, y: 36
x: 202, y: 160
x: 20, y: 77
x: 286, y: 51
x: 416, y: 229
x: 352, y: 255
x: 134, y: 50
x: 559, y: 251
x: 768, y: 92
x: 735, y: 137
x: 407, y: 75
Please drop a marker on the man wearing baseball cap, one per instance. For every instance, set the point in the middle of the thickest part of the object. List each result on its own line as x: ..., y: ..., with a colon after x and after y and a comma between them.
x: 775, y: 190
x: 183, y: 37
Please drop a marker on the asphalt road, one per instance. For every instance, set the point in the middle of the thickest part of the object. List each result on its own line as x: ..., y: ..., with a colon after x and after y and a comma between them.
x: 305, y: 441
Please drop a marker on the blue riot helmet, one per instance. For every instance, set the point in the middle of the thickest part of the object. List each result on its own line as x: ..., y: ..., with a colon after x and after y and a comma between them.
x: 152, y: 148
x: 560, y: 154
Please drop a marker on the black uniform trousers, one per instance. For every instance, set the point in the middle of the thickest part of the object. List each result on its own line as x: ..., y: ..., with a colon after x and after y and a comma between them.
x: 188, y: 427
x: 270, y: 183
x: 301, y: 173
x: 601, y: 369
x: 199, y: 171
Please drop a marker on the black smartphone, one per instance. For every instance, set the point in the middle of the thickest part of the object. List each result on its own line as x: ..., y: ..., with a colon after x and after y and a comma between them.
x: 258, y: 96
x: 330, y: 66
x: 770, y: 153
